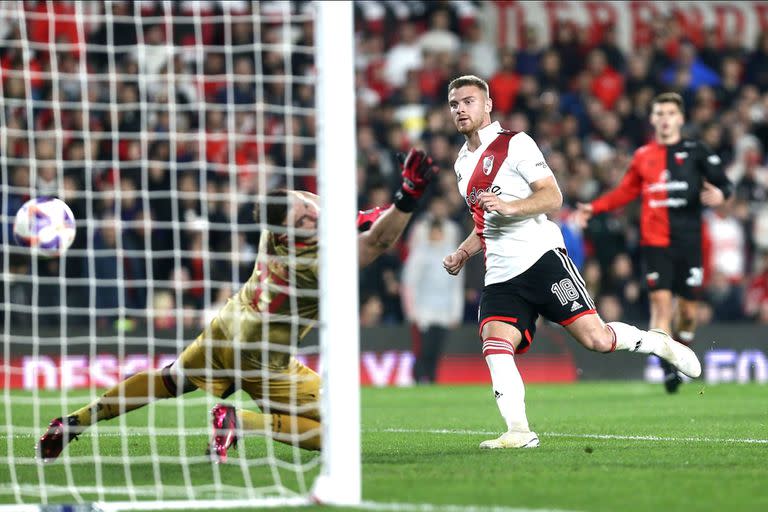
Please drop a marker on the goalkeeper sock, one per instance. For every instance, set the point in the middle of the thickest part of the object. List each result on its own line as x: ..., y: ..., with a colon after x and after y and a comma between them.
x: 132, y: 393
x: 508, y: 386
x: 286, y: 428
x: 628, y: 337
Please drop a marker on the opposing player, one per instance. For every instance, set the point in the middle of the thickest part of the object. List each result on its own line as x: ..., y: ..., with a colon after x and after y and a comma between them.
x: 239, y: 347
x: 509, y: 187
x: 676, y: 177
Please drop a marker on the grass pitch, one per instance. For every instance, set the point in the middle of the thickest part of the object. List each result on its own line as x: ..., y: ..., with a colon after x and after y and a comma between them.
x: 605, y: 447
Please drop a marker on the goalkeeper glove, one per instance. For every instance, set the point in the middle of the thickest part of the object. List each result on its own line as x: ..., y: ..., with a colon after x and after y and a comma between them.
x: 418, y: 171
x: 366, y: 218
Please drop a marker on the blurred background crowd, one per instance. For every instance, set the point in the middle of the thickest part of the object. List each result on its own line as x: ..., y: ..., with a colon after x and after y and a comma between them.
x: 159, y: 132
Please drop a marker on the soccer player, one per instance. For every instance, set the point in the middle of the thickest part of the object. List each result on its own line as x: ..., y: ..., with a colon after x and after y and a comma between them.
x: 509, y: 188
x: 676, y: 177
x: 230, y: 354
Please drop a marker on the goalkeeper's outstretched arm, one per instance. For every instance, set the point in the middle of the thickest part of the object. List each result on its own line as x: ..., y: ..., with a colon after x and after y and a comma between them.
x: 388, y: 225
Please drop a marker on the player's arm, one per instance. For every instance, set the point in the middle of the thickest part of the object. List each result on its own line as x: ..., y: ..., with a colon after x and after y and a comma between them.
x: 526, y: 160
x: 716, y: 187
x: 455, y: 261
x: 546, y: 197
x: 388, y: 225
x: 626, y: 191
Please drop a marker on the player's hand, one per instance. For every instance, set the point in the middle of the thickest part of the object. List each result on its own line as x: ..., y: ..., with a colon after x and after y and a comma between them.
x: 582, y: 214
x: 366, y: 218
x: 711, y: 195
x: 453, y: 263
x: 490, y: 202
x: 418, y: 170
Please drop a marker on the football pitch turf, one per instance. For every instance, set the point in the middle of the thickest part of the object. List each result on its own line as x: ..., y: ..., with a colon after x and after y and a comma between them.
x: 608, y: 446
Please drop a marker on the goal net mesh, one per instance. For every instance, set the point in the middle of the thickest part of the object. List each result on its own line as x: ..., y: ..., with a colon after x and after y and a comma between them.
x: 162, y: 125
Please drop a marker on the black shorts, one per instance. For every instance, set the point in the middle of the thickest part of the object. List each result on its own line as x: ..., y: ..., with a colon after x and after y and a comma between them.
x: 677, y: 270
x: 552, y: 288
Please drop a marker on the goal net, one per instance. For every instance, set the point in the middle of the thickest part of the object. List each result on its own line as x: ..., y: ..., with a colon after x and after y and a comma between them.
x: 164, y: 125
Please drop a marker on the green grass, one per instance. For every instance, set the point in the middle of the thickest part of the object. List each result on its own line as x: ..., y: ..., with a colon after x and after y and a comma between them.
x: 699, y: 463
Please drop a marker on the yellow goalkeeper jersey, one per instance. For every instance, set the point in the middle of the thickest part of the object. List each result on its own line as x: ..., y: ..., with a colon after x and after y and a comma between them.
x: 277, y: 306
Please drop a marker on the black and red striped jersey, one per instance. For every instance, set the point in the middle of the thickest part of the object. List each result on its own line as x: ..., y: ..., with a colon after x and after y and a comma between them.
x: 669, y: 179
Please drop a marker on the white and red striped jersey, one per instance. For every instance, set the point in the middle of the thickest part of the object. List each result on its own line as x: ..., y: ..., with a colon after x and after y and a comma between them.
x: 506, y: 163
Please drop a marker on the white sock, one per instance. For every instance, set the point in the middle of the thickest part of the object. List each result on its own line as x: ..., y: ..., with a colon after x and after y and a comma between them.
x: 507, y: 384
x: 628, y: 337
x: 685, y: 336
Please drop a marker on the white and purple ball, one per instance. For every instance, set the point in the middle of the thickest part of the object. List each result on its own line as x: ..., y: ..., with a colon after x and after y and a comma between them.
x: 45, y: 223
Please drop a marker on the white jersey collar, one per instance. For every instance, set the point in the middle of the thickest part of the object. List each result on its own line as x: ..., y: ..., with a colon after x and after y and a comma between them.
x: 486, y: 135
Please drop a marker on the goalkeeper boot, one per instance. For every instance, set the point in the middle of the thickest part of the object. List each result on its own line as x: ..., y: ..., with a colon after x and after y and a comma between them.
x: 677, y: 354
x: 60, y: 432
x: 672, y: 379
x: 512, y: 439
x: 224, y: 419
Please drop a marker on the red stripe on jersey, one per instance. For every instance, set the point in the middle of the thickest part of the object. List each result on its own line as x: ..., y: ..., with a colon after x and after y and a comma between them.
x: 654, y: 220
x: 482, y: 178
x: 265, y: 276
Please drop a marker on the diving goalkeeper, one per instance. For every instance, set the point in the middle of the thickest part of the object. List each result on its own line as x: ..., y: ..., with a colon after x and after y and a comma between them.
x: 247, y: 346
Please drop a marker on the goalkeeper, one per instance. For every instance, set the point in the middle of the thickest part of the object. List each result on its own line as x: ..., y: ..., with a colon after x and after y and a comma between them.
x: 229, y: 355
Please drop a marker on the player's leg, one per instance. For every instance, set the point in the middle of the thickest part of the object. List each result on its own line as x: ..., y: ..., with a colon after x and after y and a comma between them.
x: 433, y: 346
x: 570, y: 305
x: 662, y: 309
x: 596, y: 335
x: 662, y: 313
x: 132, y: 393
x: 417, y: 346
x: 685, y: 320
x: 659, y: 276
x: 507, y: 324
x: 184, y: 375
x: 500, y: 339
x: 291, y: 415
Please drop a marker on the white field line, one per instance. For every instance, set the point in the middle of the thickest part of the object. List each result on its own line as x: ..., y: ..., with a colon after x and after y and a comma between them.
x: 620, y: 437
x: 171, y: 432
x: 428, y: 507
x: 267, y: 502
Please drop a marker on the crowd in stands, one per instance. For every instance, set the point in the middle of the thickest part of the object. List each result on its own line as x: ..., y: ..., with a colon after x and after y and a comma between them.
x: 159, y: 134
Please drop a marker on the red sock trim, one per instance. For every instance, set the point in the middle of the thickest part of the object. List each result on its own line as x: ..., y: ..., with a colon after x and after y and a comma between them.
x: 493, y: 346
x: 613, y: 344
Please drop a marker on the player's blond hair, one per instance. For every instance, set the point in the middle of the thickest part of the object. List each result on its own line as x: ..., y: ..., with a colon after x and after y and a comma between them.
x: 466, y: 80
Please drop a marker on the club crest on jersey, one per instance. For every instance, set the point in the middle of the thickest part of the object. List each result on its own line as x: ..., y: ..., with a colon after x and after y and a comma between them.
x: 680, y: 156
x: 487, y: 165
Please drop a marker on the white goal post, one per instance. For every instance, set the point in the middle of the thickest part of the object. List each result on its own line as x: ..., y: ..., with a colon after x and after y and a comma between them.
x: 46, y: 369
x: 340, y: 478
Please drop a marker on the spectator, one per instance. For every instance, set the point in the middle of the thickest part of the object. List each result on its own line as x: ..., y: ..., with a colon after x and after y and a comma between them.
x: 529, y: 54
x: 727, y: 250
x: 757, y: 64
x: 433, y: 300
x: 505, y: 83
x: 607, y: 84
x: 689, y: 64
x: 439, y: 38
x: 482, y: 53
x: 404, y: 56
x: 756, y: 295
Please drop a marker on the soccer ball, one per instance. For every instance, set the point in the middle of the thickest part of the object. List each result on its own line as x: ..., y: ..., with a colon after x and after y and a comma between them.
x: 46, y: 224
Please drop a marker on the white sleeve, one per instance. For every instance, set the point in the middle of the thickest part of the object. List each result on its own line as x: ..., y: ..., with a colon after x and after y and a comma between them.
x: 526, y: 158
